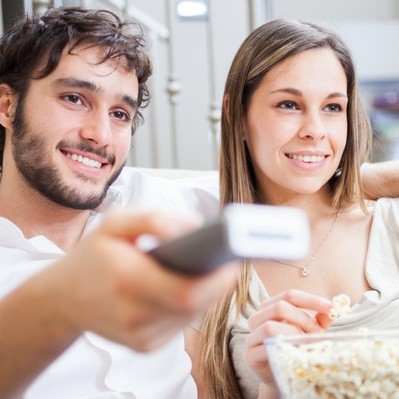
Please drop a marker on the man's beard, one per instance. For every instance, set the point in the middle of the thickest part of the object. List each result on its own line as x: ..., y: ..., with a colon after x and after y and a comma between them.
x: 29, y: 152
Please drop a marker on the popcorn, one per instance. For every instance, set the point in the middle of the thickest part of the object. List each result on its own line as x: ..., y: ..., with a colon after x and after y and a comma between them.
x: 341, y: 307
x: 338, y: 366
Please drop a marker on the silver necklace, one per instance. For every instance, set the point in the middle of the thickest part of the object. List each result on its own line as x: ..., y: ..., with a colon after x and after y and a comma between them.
x: 305, y: 269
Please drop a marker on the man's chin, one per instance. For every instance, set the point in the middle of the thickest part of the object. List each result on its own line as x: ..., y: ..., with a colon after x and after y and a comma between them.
x: 76, y: 192
x: 83, y: 204
x: 76, y: 199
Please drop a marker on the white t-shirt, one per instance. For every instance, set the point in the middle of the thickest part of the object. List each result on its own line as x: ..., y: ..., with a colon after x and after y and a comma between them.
x: 93, y: 367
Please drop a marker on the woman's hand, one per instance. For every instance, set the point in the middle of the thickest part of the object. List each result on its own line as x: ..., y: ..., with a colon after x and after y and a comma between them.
x: 292, y: 312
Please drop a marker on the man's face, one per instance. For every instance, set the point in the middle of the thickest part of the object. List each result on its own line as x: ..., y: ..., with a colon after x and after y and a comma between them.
x: 72, y: 131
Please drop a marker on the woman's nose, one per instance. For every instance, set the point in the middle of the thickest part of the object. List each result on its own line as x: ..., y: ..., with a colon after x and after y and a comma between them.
x: 312, y: 126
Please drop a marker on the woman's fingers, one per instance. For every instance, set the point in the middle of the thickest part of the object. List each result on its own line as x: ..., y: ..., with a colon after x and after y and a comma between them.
x: 291, y: 312
x: 256, y: 354
x: 292, y: 307
x: 301, y: 299
x: 324, y: 320
x: 270, y: 329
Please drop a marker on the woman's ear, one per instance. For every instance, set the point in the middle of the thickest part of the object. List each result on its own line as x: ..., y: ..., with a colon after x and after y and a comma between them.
x: 8, y: 104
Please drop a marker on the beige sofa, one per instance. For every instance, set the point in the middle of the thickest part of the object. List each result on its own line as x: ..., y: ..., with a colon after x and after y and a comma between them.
x: 178, y: 173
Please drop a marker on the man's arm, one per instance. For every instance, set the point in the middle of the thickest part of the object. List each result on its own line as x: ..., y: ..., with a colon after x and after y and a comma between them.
x: 105, y: 285
x: 381, y: 179
x: 31, y: 335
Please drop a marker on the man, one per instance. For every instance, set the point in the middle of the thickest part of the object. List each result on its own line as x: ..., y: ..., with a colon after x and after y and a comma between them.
x: 72, y: 84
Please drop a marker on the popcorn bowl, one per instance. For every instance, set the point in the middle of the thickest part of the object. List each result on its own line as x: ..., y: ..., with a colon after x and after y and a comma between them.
x: 340, y: 365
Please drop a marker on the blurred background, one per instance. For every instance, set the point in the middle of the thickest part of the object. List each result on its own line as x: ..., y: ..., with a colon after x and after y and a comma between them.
x: 192, y: 43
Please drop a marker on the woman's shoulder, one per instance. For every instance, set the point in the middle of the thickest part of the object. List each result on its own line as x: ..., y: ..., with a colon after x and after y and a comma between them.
x: 384, y: 208
x: 384, y: 205
x: 352, y: 212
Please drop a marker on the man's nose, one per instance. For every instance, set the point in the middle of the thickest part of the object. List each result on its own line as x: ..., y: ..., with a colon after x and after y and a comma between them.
x: 96, y: 128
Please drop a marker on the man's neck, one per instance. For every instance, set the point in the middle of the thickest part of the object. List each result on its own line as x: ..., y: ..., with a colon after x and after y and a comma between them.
x: 35, y: 215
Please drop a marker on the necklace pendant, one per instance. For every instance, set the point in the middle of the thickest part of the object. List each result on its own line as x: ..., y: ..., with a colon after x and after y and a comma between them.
x: 305, y: 272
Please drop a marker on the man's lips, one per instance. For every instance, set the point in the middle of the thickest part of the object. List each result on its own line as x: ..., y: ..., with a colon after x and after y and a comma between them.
x: 85, y: 160
x: 90, y: 160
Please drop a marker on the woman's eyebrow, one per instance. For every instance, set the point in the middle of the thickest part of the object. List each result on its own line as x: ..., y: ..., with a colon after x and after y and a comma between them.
x: 296, y: 92
x: 337, y: 94
x: 289, y: 90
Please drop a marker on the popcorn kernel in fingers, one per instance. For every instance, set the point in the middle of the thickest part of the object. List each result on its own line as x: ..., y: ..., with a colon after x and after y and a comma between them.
x: 341, y: 307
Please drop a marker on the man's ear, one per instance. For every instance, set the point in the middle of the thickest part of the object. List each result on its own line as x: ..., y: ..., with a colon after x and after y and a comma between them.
x: 8, y: 104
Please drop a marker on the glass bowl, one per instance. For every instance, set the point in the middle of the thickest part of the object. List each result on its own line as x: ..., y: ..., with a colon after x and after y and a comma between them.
x: 341, y: 365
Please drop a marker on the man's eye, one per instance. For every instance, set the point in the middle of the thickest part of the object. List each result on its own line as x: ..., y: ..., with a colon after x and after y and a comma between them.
x: 121, y: 115
x: 333, y: 108
x: 73, y: 98
x: 287, y: 105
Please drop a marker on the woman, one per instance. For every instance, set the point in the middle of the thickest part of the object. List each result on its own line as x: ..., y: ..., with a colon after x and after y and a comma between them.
x: 294, y: 132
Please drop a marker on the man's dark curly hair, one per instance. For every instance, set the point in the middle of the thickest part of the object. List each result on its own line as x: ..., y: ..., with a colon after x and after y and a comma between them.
x: 38, y: 41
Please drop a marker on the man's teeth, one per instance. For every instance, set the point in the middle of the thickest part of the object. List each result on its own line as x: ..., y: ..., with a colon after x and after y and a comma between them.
x: 308, y: 158
x: 85, y: 161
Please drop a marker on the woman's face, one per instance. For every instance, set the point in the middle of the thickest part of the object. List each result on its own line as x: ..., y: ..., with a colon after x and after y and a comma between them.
x: 296, y: 125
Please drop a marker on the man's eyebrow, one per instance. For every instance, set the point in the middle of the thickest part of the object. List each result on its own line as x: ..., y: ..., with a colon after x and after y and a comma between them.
x: 129, y: 100
x: 77, y: 83
x: 296, y: 92
x: 84, y: 84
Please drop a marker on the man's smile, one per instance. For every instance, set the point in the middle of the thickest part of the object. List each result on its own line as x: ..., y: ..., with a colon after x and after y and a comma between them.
x: 84, y: 160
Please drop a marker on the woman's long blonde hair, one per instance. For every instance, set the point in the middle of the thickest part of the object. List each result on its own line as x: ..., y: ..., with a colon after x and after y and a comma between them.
x: 263, y: 49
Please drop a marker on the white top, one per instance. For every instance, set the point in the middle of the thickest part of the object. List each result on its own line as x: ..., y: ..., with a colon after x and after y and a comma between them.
x: 378, y: 308
x: 94, y: 367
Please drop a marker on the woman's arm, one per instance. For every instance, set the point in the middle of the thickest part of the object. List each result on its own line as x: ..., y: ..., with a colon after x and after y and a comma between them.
x: 380, y: 179
x: 193, y: 347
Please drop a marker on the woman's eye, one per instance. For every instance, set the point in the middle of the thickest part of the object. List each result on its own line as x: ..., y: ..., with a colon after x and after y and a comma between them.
x: 287, y: 105
x: 333, y: 108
